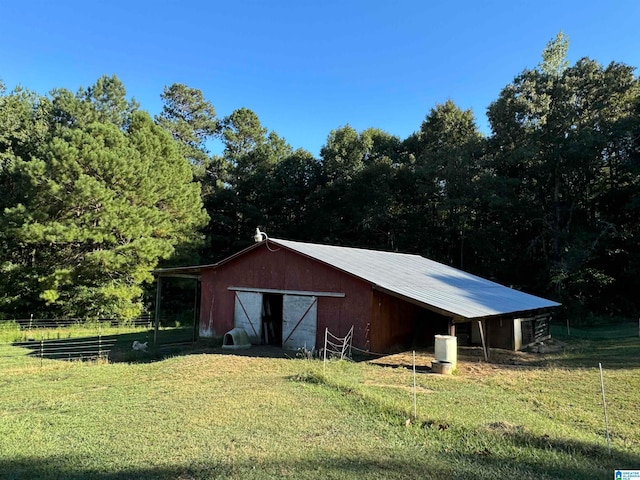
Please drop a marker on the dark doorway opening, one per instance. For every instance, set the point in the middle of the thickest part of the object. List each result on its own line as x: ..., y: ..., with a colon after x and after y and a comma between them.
x: 272, y: 318
x: 463, y: 333
x: 426, y: 326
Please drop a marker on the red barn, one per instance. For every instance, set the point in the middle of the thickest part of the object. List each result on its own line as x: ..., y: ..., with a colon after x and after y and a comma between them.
x: 286, y: 293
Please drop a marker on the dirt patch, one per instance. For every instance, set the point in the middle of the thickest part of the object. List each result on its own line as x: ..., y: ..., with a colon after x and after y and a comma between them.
x: 505, y: 428
x: 471, y: 360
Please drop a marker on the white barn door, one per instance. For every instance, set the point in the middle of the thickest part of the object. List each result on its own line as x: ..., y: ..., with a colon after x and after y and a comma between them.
x: 248, y: 314
x: 299, y: 321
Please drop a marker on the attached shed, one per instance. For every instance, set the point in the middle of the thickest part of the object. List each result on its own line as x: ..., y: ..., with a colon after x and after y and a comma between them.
x: 286, y: 293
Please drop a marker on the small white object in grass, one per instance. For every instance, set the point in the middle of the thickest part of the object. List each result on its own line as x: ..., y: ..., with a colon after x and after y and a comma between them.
x: 139, y: 346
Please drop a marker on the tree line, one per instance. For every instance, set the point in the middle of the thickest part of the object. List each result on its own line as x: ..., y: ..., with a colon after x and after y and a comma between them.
x: 96, y: 193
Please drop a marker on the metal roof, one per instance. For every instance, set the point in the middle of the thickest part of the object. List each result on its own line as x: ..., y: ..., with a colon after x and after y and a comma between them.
x: 423, y: 281
x: 184, y: 272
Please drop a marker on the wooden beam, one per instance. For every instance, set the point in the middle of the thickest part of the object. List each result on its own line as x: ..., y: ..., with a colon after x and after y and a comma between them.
x: 196, y: 319
x: 288, y: 292
x: 179, y: 275
x: 484, y: 345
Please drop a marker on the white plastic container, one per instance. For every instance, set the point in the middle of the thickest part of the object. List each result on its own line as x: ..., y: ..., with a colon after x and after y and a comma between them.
x: 446, y: 349
x: 443, y: 368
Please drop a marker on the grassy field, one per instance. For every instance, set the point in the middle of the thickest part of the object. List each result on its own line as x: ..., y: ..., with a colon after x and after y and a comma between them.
x: 204, y: 414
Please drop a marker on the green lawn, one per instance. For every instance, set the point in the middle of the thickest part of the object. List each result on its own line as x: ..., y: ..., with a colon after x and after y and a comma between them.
x: 210, y: 415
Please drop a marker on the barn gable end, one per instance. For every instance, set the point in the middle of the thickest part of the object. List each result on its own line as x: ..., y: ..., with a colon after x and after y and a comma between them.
x: 342, y: 301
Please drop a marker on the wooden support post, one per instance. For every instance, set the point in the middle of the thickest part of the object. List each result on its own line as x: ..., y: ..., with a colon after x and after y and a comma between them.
x: 157, y: 319
x: 452, y: 328
x: 195, y: 311
x: 484, y: 345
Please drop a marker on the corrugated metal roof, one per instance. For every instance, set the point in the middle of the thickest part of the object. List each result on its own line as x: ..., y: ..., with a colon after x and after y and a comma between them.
x: 188, y: 272
x: 424, y: 281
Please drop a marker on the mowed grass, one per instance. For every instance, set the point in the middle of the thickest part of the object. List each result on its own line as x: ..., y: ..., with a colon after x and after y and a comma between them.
x: 213, y: 415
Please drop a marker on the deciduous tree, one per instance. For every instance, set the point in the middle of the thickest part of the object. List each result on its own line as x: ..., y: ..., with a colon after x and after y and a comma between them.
x: 560, y: 134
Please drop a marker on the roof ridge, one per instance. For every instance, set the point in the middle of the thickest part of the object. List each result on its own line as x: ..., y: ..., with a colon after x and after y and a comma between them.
x: 363, y: 249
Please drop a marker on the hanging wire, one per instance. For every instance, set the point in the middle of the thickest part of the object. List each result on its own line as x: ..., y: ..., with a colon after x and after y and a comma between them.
x: 369, y: 352
x: 268, y: 247
x: 260, y: 234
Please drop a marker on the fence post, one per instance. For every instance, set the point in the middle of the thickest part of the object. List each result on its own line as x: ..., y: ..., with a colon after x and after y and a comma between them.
x: 324, y: 360
x: 415, y: 399
x: 157, y: 319
x: 41, y: 347
x: 99, y: 342
x: 604, y: 406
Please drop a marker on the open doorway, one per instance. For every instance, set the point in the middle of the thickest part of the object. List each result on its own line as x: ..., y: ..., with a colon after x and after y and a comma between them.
x: 426, y: 326
x: 272, y: 318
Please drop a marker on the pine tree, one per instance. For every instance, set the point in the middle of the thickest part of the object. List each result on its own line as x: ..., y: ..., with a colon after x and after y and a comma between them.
x: 102, y: 198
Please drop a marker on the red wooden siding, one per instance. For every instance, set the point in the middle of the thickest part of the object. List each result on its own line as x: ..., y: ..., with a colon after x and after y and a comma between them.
x: 285, y: 270
x: 397, y: 324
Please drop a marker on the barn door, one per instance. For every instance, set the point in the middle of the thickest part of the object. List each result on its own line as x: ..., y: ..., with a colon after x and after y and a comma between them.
x: 299, y: 322
x: 248, y: 314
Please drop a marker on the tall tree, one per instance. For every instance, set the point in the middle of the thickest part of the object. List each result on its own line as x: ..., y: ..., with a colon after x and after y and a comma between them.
x: 100, y: 203
x: 191, y: 119
x: 356, y: 203
x: 108, y: 99
x: 554, y: 56
x: 103, y: 102
x: 557, y: 138
x: 251, y: 153
x: 285, y: 195
x: 441, y: 199
x: 344, y: 153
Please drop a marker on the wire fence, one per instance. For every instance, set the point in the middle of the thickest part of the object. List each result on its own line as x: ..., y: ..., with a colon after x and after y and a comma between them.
x: 337, y: 346
x: 83, y: 339
x: 70, y: 338
x: 68, y: 349
x: 30, y: 323
x: 618, y: 330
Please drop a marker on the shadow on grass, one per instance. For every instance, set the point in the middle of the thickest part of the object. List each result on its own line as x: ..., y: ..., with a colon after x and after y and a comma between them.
x: 70, y: 469
x: 115, y: 348
x: 118, y: 348
x: 588, y: 458
x: 318, y: 464
x: 612, y: 353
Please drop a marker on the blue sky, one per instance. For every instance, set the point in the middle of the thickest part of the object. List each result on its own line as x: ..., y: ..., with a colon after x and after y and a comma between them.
x: 308, y: 67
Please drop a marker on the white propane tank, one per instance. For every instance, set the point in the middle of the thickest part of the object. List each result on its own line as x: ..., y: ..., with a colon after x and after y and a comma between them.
x: 446, y: 349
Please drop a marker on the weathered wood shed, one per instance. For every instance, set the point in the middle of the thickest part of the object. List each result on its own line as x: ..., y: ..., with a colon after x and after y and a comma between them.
x: 286, y: 293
